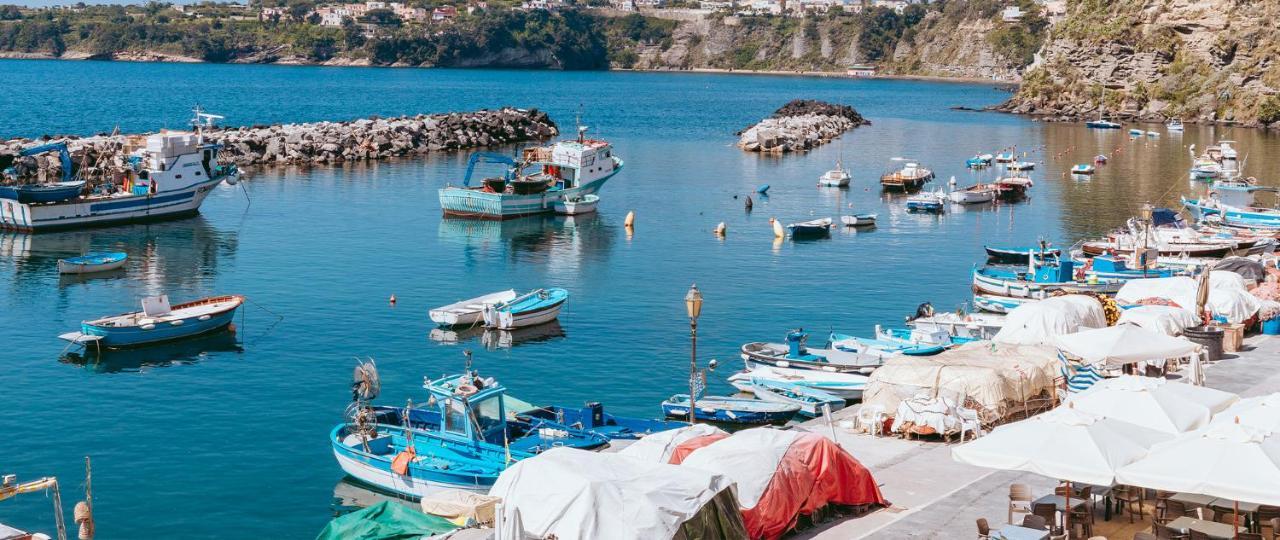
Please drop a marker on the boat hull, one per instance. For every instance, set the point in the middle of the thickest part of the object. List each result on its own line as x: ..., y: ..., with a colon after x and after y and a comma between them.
x: 1016, y: 255
x: 727, y: 414
x: 137, y: 336
x: 859, y: 220
x: 808, y: 408
x: 83, y: 213
x: 1017, y: 288
x: 68, y: 266
x: 476, y: 204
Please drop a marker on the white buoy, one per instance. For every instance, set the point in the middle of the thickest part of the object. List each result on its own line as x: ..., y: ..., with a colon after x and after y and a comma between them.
x: 631, y: 219
x: 720, y: 229
x: 778, y: 232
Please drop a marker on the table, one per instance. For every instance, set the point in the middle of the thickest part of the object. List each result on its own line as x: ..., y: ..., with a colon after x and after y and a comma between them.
x: 1226, y: 506
x: 1096, y: 492
x: 1211, y: 528
x: 1014, y: 532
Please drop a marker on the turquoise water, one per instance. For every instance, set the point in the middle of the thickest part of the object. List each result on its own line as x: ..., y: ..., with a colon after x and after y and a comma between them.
x: 220, y: 438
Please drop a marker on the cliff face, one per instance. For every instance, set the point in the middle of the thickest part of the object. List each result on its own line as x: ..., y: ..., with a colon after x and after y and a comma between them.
x: 945, y: 48
x: 1200, y: 60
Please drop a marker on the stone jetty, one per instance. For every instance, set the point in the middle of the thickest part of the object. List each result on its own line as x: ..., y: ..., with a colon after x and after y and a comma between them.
x: 319, y: 142
x: 800, y: 125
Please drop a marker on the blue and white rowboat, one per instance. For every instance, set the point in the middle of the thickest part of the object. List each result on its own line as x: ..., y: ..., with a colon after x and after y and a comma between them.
x: 842, y: 385
x: 158, y: 322
x: 439, y: 462
x: 535, y: 307
x: 730, y: 410
x: 811, y: 401
x: 92, y: 262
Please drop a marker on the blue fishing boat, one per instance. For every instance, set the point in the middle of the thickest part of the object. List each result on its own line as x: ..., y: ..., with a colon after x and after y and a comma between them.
x: 795, y: 354
x: 1136, y: 132
x: 92, y: 262
x: 918, y: 339
x: 885, y: 348
x: 1005, y: 157
x: 1111, y: 267
x: 841, y: 385
x: 932, y: 203
x: 730, y: 410
x: 1018, y: 254
x: 1038, y: 280
x: 763, y: 189
x: 529, y: 309
x: 158, y: 322
x: 979, y: 161
x: 593, y: 418
x: 812, y: 402
x: 535, y: 183
x: 43, y: 193
x: 1253, y: 218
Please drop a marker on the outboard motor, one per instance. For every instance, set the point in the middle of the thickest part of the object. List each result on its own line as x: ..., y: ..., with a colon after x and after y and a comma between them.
x: 795, y: 343
x: 597, y: 413
x: 923, y: 311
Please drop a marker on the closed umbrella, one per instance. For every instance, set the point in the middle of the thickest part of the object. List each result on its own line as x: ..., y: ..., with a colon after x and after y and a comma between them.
x: 1202, y: 296
x: 1160, y: 404
x: 1261, y: 412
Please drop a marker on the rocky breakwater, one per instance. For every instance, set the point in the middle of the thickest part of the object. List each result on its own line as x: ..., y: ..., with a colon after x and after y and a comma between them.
x: 798, y: 126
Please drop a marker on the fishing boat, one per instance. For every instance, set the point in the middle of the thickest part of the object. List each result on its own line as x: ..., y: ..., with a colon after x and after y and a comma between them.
x: 815, y: 228
x: 998, y: 304
x: 167, y: 177
x: 1174, y: 125
x: 811, y: 401
x: 532, y: 308
x: 92, y: 262
x: 1100, y: 159
x: 1231, y: 216
x: 979, y: 161
x: 469, y: 312
x: 975, y: 194
x: 858, y: 220
x: 1101, y: 123
x: 158, y: 322
x: 1021, y: 166
x: 1005, y: 157
x: 730, y: 410
x: 933, y: 203
x: 795, y: 354
x: 1097, y: 248
x: 848, y: 386
x: 1082, y: 168
x: 580, y: 204
x: 1136, y: 132
x: 1012, y: 188
x: 963, y: 325
x: 1018, y: 254
x: 593, y: 418
x: 1242, y: 184
x: 837, y: 177
x: 43, y: 193
x: 918, y: 340
x: 1228, y: 157
x: 1038, y: 280
x: 1112, y: 267
x: 763, y: 189
x: 535, y: 182
x: 885, y: 348
x: 1204, y: 168
x: 911, y: 177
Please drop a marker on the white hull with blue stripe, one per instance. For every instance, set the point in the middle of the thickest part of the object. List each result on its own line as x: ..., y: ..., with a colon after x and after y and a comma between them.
x: 85, y: 213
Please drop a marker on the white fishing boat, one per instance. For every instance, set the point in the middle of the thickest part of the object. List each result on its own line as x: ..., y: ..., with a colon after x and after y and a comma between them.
x: 975, y: 194
x: 843, y: 385
x: 1229, y: 158
x: 469, y: 312
x: 1174, y: 125
x: 583, y: 204
x: 529, y: 309
x: 837, y: 177
x: 909, y: 178
x: 858, y: 220
x: 969, y: 325
x: 169, y: 176
x: 1021, y: 166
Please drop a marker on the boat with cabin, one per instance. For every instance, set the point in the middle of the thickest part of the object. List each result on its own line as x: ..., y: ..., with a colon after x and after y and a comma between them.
x: 532, y: 308
x: 929, y: 202
x: 167, y: 175
x: 1136, y: 132
x: 730, y: 410
x: 93, y: 262
x: 991, y: 303
x: 1231, y: 216
x: 469, y: 312
x: 837, y: 177
x: 593, y: 417
x: 158, y: 322
x: 909, y: 178
x: 1204, y: 168
x: 1005, y: 157
x: 1174, y: 125
x: 534, y: 183
x: 979, y: 161
x: 1102, y: 123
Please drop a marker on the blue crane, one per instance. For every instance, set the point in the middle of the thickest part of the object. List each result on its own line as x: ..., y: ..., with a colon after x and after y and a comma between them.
x: 68, y: 168
x: 489, y: 157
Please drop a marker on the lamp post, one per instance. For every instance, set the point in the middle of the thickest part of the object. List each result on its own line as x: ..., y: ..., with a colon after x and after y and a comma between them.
x: 693, y: 305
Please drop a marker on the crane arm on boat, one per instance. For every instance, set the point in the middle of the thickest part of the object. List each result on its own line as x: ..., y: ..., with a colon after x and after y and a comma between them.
x: 63, y: 155
x: 489, y: 157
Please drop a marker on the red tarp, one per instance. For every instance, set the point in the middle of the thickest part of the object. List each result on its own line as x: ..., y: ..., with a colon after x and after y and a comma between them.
x: 685, y: 448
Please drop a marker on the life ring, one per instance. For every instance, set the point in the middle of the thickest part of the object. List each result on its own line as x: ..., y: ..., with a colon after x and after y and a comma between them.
x: 466, y: 389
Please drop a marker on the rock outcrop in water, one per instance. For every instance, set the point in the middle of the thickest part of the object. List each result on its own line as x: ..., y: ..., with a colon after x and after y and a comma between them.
x: 320, y: 142
x: 800, y: 125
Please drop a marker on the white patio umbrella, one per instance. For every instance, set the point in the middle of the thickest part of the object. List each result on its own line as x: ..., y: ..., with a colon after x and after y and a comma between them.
x: 1262, y: 412
x: 1160, y: 404
x: 1124, y: 344
x: 1231, y: 461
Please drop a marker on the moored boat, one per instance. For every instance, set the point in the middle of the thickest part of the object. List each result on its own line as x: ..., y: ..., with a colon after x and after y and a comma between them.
x: 967, y: 325
x: 730, y: 410
x: 158, y: 322
x: 1021, y: 166
x: 92, y: 262
x: 815, y: 228
x: 1174, y: 125
x: 1049, y: 276
x: 1100, y: 159
x: 795, y: 354
x: 979, y: 161
x: 843, y: 385
x: 811, y: 401
x: 1082, y: 168
x: 975, y: 194
x: 1018, y: 254
x: 1102, y: 123
x: 43, y: 193
x: 469, y: 312
x: 909, y: 178
x: 934, y: 202
x: 1004, y: 157
x: 858, y: 220
x: 1013, y: 187
x: 534, y: 307
x: 580, y: 204
x: 837, y: 177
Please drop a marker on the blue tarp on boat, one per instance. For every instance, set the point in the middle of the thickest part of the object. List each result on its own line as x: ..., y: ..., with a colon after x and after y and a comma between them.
x: 385, y: 521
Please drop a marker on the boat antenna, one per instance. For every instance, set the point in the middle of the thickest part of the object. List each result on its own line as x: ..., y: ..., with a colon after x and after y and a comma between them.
x: 577, y: 121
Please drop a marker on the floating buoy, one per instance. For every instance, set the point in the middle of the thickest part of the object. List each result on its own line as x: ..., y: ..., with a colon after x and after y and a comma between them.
x: 720, y: 229
x: 393, y: 299
x: 778, y: 231
x: 749, y: 203
x: 631, y: 219
x: 763, y: 189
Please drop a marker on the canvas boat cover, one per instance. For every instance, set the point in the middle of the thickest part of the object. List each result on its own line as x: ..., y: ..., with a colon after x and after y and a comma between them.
x: 994, y: 378
x: 1227, y: 295
x: 671, y: 446
x: 1245, y: 267
x: 1037, y: 323
x: 460, y: 507
x: 574, y: 493
x: 780, y: 475
x: 1167, y: 320
x: 1124, y: 344
x: 386, y: 520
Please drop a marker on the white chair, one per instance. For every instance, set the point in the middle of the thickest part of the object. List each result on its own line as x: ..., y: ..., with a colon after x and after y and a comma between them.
x: 871, y: 418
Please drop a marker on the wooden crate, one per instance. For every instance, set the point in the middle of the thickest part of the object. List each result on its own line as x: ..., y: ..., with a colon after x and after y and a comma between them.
x: 1232, y: 337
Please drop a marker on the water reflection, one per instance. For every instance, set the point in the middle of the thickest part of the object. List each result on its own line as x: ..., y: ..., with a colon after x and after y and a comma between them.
x: 187, y: 351
x: 561, y: 242
x: 493, y: 339
x: 350, y: 495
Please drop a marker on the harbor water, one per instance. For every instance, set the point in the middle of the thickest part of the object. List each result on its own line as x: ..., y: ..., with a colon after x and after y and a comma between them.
x: 227, y: 437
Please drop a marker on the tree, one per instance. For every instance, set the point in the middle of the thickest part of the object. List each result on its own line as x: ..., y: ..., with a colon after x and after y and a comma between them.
x: 299, y: 10
x: 382, y: 17
x: 10, y: 13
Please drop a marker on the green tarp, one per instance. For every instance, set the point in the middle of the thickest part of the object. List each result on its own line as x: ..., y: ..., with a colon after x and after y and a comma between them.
x: 385, y: 521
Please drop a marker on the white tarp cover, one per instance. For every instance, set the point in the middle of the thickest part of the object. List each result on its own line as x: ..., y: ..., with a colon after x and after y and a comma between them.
x: 1160, y: 404
x: 1167, y: 320
x: 1262, y: 412
x: 1231, y: 461
x: 574, y: 493
x: 993, y: 375
x: 750, y: 457
x: 1063, y: 444
x: 1037, y: 323
x: 657, y: 447
x: 1123, y: 344
x: 1227, y: 296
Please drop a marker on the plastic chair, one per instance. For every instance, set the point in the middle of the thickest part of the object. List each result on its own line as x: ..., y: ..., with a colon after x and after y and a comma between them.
x: 871, y: 417
x: 1127, y: 496
x: 1032, y: 521
x: 984, y: 530
x: 1019, y: 500
x: 1048, y: 511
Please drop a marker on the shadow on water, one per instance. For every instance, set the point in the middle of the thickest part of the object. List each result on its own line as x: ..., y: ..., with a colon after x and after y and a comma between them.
x: 556, y: 239
x: 493, y: 339
x: 185, y: 352
x: 351, y: 494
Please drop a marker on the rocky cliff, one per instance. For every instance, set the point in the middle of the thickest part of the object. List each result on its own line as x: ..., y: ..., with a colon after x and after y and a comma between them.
x: 1200, y: 60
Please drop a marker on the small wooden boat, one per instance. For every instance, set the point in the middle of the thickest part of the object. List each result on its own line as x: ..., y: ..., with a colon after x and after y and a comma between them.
x: 1100, y: 159
x: 968, y: 325
x: 841, y: 385
x: 1263, y: 219
x: 1205, y: 168
x: 1168, y: 249
x: 43, y: 193
x: 92, y: 262
x: 815, y: 228
x: 1082, y: 168
x: 812, y: 402
x: 583, y: 204
x: 1021, y: 166
x: 1004, y: 157
x: 469, y: 312
x: 837, y: 177
x: 593, y: 418
x: 794, y: 354
x: 1013, y: 187
x: 991, y: 303
x: 534, y: 307
x: 730, y: 410
x: 858, y: 220
x: 885, y: 349
x: 158, y: 322
x: 933, y: 203
x: 1049, y: 277
x: 909, y: 178
x: 975, y: 194
x: 1018, y: 254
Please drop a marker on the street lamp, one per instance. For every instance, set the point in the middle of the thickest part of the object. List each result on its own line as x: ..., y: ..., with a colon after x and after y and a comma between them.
x: 693, y: 305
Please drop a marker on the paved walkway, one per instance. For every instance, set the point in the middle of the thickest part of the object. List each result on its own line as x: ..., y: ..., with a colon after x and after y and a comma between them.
x: 936, y: 497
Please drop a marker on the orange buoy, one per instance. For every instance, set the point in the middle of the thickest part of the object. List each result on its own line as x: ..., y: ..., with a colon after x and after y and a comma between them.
x: 393, y: 299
